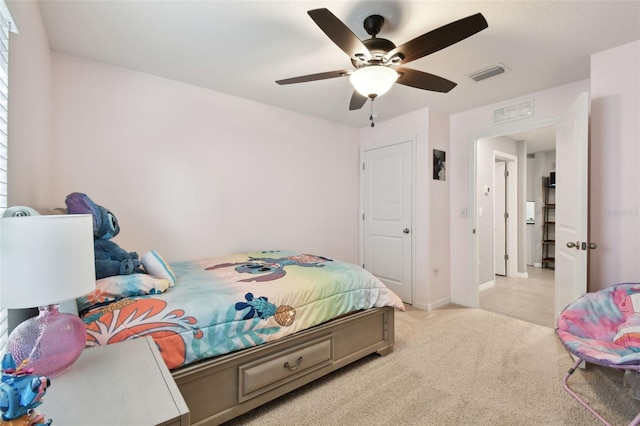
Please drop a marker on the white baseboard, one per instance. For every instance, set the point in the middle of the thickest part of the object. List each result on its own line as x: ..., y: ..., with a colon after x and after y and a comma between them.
x: 537, y: 264
x: 522, y: 275
x: 439, y: 304
x: 431, y: 306
x: 420, y: 306
x: 487, y: 285
x: 464, y: 302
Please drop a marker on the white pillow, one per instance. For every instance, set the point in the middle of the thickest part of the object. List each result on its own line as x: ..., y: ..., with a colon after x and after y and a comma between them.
x: 155, y: 265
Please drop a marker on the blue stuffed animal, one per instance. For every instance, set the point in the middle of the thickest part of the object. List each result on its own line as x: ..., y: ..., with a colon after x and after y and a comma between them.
x: 20, y: 393
x: 110, y: 258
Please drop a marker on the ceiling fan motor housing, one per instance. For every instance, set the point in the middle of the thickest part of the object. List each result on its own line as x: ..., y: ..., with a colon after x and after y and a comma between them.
x: 378, y: 48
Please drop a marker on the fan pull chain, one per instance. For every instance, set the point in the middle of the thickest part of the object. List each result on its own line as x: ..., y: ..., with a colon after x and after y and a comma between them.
x: 371, y: 114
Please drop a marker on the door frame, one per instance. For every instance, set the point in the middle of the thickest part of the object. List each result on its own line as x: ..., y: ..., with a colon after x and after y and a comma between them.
x: 512, y: 191
x: 414, y: 230
x: 473, y: 287
x: 499, y: 226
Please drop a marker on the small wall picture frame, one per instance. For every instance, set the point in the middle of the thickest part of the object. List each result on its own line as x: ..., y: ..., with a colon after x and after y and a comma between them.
x: 439, y: 165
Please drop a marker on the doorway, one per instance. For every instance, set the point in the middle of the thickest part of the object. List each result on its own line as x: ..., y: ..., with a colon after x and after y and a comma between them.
x: 525, y: 290
x: 572, y: 216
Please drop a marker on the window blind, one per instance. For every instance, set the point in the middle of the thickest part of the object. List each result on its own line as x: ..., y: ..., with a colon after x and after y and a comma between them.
x: 5, y: 28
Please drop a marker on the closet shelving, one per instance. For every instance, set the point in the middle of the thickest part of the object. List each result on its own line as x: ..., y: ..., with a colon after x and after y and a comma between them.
x: 548, y: 224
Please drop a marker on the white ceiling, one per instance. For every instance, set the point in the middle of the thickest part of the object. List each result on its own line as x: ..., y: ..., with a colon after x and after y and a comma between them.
x: 241, y: 47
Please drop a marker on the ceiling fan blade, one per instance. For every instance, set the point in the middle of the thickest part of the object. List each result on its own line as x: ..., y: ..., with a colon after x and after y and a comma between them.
x: 423, y: 80
x: 439, y: 38
x: 340, y: 34
x: 314, y: 77
x: 357, y: 101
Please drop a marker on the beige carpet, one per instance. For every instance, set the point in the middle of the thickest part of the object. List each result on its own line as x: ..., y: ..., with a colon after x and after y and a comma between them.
x: 456, y: 367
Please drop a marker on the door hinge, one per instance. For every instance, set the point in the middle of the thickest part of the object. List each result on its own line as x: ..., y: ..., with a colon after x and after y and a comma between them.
x: 362, y: 166
x: 506, y: 257
x: 506, y: 173
x: 363, y: 266
x: 506, y: 216
x: 362, y: 216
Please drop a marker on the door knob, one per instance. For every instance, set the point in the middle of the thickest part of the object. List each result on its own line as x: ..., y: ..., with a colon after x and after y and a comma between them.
x: 406, y: 230
x: 593, y: 246
x: 571, y: 244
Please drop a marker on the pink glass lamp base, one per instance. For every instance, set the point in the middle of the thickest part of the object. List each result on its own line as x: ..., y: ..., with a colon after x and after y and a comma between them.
x: 52, y: 341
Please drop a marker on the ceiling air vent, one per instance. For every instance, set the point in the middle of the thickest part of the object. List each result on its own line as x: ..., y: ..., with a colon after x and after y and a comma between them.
x: 488, y: 72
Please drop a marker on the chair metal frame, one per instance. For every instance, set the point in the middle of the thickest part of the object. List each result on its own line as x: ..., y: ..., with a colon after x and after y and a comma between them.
x: 577, y: 397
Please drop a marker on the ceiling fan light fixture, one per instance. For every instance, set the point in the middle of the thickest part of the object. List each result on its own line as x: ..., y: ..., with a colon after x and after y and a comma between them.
x: 374, y: 80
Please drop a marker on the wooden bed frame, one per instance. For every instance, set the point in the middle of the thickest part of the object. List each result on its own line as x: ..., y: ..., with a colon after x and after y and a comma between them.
x: 225, y: 387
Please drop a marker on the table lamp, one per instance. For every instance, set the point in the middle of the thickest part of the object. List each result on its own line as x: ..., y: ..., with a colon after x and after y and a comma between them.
x: 45, y: 260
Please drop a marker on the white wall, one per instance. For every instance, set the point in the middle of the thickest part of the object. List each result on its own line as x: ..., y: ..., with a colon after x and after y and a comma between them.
x: 30, y: 138
x: 466, y: 127
x: 192, y: 172
x: 437, y: 269
x: 431, y: 224
x: 188, y: 172
x: 615, y: 175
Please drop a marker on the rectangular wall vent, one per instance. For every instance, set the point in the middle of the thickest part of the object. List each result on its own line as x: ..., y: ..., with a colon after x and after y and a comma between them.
x: 515, y: 111
x: 488, y: 72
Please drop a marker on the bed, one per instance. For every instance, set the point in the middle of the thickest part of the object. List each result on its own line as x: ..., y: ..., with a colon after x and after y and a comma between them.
x: 240, y: 330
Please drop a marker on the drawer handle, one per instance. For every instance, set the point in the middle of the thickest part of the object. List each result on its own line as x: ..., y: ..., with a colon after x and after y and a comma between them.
x: 293, y: 367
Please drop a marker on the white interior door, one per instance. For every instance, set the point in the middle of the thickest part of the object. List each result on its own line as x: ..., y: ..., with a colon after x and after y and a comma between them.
x: 572, y: 204
x: 388, y: 216
x: 500, y: 222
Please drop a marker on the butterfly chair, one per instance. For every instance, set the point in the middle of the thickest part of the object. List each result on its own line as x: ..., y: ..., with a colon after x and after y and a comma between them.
x: 603, y: 328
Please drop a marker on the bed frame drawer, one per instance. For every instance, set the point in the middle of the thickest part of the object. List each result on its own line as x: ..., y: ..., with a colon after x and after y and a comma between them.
x: 261, y: 376
x: 215, y: 389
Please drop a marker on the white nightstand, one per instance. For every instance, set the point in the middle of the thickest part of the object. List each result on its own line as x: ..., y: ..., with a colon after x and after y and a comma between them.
x: 124, y: 384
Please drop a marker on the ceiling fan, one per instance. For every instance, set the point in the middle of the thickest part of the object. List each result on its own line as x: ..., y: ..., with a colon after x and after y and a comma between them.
x: 377, y: 60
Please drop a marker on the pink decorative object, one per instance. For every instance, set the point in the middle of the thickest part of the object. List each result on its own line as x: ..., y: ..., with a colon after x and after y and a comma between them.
x: 51, y: 342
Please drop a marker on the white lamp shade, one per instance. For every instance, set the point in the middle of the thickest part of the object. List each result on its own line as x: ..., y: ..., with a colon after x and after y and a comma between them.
x: 374, y: 80
x: 45, y: 259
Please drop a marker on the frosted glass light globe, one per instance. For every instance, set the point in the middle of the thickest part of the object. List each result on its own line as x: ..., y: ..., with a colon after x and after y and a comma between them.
x: 374, y: 80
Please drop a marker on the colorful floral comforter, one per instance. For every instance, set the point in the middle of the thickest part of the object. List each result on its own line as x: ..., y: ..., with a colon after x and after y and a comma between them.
x: 221, y: 305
